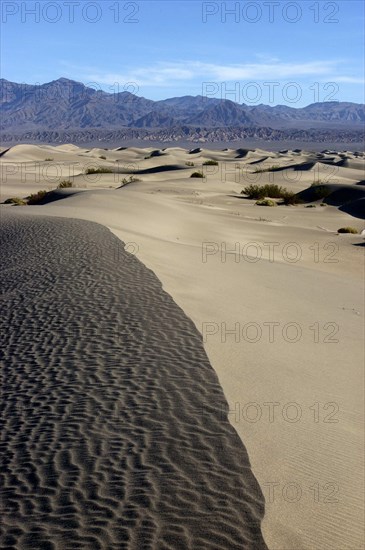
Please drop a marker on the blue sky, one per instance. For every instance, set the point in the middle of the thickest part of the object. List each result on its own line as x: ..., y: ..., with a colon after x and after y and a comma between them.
x: 272, y: 52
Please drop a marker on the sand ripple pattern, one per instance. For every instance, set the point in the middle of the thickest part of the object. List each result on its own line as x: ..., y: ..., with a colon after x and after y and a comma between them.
x: 114, y: 425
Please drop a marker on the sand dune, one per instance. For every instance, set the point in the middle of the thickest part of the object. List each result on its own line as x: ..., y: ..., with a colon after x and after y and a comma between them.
x: 312, y: 465
x: 116, y: 432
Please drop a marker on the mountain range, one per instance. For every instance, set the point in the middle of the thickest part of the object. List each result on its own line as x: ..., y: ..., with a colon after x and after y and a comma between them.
x: 65, y: 105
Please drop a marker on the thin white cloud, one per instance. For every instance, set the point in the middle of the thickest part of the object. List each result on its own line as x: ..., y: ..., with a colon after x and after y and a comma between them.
x: 348, y: 80
x: 163, y: 74
x: 158, y: 75
x: 262, y: 71
x: 267, y: 58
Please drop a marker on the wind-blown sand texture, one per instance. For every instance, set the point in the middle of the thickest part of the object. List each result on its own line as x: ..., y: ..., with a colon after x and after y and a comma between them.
x: 115, y: 429
x: 296, y: 405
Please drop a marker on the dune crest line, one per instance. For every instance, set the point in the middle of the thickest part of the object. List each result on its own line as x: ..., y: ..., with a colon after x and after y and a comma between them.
x: 115, y: 431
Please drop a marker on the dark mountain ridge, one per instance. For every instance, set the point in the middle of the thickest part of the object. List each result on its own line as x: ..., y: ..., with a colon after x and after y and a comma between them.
x: 65, y: 105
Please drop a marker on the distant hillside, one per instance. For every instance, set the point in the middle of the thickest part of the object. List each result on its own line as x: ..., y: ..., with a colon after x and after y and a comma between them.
x: 180, y: 134
x: 66, y: 105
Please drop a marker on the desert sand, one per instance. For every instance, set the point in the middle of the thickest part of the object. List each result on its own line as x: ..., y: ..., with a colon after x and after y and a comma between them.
x: 116, y: 432
x: 277, y: 296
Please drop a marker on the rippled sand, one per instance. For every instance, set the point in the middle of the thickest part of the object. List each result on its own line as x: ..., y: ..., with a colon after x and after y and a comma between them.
x: 115, y: 431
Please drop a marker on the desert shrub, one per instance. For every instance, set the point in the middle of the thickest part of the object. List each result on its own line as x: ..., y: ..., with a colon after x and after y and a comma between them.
x: 131, y: 179
x: 189, y: 163
x: 101, y: 170
x: 197, y: 175
x: 310, y: 206
x: 254, y: 191
x: 265, y: 202
x: 64, y: 184
x: 323, y: 204
x: 48, y: 159
x: 274, y: 191
x: 210, y: 163
x: 290, y: 198
x: 269, y: 169
x: 36, y: 198
x: 260, y: 191
x: 102, y: 157
x: 347, y: 230
x: 15, y: 200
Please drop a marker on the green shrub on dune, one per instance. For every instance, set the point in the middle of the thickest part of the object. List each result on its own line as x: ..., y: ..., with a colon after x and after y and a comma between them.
x: 272, y: 191
x: 35, y: 198
x: 16, y: 201
x: 347, y: 230
x: 65, y: 184
x: 265, y: 202
x: 254, y: 192
x: 101, y: 170
x: 210, y: 163
x: 290, y: 198
x: 197, y: 175
x: 131, y: 179
x: 261, y: 191
x: 270, y: 169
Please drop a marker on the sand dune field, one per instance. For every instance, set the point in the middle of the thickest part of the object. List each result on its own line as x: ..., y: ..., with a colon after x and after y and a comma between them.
x: 192, y: 378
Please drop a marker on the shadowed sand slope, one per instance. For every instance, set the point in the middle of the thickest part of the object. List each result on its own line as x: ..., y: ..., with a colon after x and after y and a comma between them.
x: 115, y: 431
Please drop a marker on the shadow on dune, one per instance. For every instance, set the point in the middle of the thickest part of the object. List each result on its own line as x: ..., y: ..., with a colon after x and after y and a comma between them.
x: 350, y: 163
x: 334, y: 194
x: 347, y: 198
x: 344, y: 194
x: 157, y: 153
x: 242, y: 153
x: 59, y: 194
x: 355, y: 208
x: 241, y: 196
x: 116, y: 431
x: 303, y: 167
x: 258, y: 161
x: 157, y: 169
x: 3, y: 152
